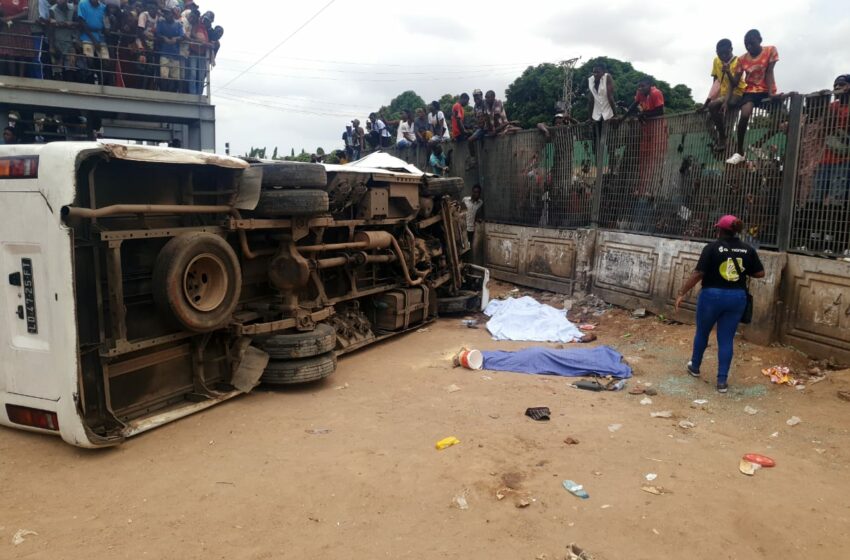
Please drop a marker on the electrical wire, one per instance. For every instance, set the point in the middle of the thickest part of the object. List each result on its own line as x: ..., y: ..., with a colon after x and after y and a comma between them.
x: 288, y: 37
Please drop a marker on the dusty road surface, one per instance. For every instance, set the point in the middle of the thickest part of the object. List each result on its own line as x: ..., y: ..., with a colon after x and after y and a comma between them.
x: 248, y: 479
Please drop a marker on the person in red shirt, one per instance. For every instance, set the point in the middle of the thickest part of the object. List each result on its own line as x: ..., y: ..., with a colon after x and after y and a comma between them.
x: 756, y: 68
x: 832, y: 183
x: 459, y: 131
x: 649, y: 106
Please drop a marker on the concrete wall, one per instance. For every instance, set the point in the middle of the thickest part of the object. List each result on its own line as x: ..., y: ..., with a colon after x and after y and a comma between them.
x: 802, y: 301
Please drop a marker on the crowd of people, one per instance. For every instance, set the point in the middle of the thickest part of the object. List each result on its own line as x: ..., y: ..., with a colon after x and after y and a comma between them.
x: 166, y: 45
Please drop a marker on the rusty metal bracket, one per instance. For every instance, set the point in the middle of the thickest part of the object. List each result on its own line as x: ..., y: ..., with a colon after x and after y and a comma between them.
x: 306, y: 319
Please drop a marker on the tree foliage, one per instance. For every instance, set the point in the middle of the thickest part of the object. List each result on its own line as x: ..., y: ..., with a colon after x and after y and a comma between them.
x: 532, y: 97
x: 405, y: 100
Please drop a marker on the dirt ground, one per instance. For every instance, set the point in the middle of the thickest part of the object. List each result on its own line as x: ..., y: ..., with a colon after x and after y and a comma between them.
x: 248, y: 479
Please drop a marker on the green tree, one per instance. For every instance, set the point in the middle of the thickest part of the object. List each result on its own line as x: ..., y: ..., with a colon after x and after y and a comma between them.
x: 320, y: 151
x: 405, y: 100
x: 292, y: 153
x: 531, y: 98
x: 274, y: 154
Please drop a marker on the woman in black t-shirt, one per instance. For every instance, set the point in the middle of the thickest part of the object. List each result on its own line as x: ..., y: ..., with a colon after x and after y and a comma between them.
x: 723, y: 268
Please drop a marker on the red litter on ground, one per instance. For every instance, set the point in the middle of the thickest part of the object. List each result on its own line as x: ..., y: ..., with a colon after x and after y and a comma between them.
x: 760, y: 460
x: 586, y: 327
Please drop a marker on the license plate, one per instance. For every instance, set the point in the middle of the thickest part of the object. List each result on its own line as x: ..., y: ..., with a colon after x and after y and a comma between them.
x: 29, y: 296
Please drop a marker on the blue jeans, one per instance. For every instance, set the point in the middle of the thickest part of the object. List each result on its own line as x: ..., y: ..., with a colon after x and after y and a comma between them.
x: 724, y: 308
x: 404, y: 144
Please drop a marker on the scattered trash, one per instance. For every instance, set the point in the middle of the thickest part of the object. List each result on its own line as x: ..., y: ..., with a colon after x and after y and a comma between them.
x: 589, y: 385
x: 656, y: 531
x: 340, y: 387
x: 844, y: 395
x: 470, y: 359
x: 605, y: 506
x: 447, y: 442
x: 318, y: 431
x: 651, y: 391
x: 494, y: 416
x: 486, y: 378
x: 470, y: 323
x: 424, y: 329
x: 645, y: 401
x: 576, y: 489
x: 657, y: 490
x: 637, y: 390
x: 522, y: 503
x: 662, y: 414
x: 587, y: 327
x: 774, y: 435
x: 574, y: 552
x: 539, y: 414
x: 750, y: 410
x: 793, y: 421
x: 687, y: 425
x: 820, y: 451
x: 614, y: 427
x: 780, y: 375
x: 501, y: 493
x: 617, y: 385
x: 627, y: 335
x: 760, y: 460
x: 748, y: 468
x: 452, y: 388
x: 459, y: 501
x: 701, y: 401
x: 639, y: 313
x: 571, y: 441
x: 20, y: 536
x: 651, y: 476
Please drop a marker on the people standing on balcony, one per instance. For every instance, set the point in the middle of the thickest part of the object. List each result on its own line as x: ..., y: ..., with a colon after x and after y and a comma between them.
x: 723, y: 96
x: 169, y: 35
x: 148, y: 57
x: 92, y: 17
x: 649, y: 107
x: 756, y: 68
x: 723, y: 268
x: 16, y: 48
x: 405, y: 137
x: 198, y: 47
x: 62, y: 36
x: 438, y: 123
x: 601, y: 103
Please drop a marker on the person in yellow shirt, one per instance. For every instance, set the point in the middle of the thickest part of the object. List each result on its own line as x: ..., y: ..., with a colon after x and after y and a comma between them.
x: 723, y: 94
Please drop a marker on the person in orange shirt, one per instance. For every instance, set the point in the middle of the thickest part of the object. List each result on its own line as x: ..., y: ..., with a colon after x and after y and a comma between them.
x: 756, y: 68
x: 649, y: 105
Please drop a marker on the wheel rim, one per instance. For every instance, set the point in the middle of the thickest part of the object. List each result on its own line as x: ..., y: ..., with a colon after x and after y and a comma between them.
x: 205, y: 282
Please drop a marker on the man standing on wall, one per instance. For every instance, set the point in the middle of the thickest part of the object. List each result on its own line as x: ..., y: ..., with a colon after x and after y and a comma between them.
x: 474, y: 212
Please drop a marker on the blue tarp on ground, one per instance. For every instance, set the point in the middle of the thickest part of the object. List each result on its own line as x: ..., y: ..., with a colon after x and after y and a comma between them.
x: 601, y: 360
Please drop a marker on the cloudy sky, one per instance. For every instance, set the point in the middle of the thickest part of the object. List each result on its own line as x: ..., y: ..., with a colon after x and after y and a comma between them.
x: 358, y: 54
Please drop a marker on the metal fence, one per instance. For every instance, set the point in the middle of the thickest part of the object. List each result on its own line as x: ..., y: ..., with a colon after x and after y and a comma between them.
x: 821, y: 211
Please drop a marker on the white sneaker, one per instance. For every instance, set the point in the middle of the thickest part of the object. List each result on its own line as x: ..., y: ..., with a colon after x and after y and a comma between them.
x: 736, y: 159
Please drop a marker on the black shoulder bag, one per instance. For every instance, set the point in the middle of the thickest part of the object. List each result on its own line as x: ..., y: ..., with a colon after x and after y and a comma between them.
x: 747, y: 317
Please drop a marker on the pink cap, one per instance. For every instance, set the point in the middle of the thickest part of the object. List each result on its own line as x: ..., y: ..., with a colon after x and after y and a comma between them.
x: 726, y: 222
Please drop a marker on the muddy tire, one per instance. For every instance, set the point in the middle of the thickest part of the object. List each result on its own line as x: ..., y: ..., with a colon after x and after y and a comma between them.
x: 443, y: 186
x: 300, y: 344
x: 301, y: 202
x: 197, y: 281
x: 465, y: 302
x: 293, y: 174
x: 305, y: 370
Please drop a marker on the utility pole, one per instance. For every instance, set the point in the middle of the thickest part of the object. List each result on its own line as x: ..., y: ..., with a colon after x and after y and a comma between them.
x: 566, y: 103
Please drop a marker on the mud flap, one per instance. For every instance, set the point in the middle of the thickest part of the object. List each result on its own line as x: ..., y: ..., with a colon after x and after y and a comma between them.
x: 253, y: 362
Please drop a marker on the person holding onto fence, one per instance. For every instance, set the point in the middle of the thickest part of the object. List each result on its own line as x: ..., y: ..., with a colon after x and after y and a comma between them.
x: 459, y: 130
x: 169, y: 36
x: 756, y: 69
x: 601, y: 102
x: 62, y: 36
x: 649, y: 106
x: 438, y: 123
x: 92, y: 17
x: 723, y: 268
x: 832, y: 182
x: 405, y: 137
x: 422, y: 128
x: 722, y: 95
x: 474, y: 212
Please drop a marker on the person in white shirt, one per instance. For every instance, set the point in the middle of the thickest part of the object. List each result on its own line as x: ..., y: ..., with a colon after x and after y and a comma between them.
x: 601, y: 99
x: 437, y: 120
x: 474, y: 213
x: 379, y: 134
x: 406, y: 137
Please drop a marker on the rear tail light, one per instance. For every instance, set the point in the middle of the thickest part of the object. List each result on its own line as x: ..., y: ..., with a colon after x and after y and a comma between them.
x: 19, y: 167
x: 26, y: 416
